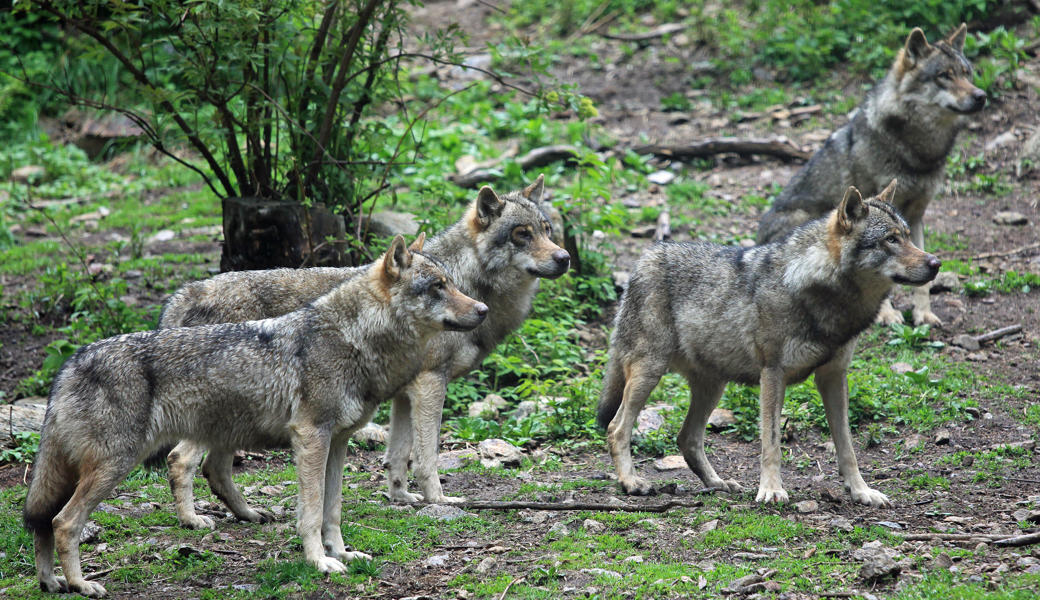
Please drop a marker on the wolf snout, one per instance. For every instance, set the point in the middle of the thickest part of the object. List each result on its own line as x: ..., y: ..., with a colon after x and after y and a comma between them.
x: 933, y: 263
x: 978, y: 100
x: 482, y: 310
x: 562, y: 258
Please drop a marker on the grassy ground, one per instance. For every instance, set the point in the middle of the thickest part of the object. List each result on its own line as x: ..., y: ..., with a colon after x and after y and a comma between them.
x: 76, y: 271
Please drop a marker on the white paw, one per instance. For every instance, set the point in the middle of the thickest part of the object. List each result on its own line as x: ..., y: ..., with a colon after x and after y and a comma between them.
x: 726, y: 485
x: 636, y: 486
x: 926, y: 317
x: 258, y: 515
x: 442, y: 499
x: 54, y: 585
x: 198, y: 522
x: 327, y: 564
x: 889, y: 316
x: 90, y: 589
x: 769, y: 494
x: 403, y: 496
x: 346, y: 557
x: 871, y: 497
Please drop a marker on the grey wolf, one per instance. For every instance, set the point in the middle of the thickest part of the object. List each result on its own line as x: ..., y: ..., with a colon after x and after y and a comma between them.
x: 496, y: 253
x: 769, y: 315
x: 904, y: 129
x: 308, y: 378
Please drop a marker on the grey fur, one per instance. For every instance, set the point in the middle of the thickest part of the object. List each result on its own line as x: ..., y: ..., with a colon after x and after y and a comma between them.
x: 307, y: 378
x: 904, y: 129
x: 769, y: 315
x: 484, y: 260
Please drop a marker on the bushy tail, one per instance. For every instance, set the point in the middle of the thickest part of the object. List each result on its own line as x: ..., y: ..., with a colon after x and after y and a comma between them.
x: 613, y: 390
x: 53, y: 482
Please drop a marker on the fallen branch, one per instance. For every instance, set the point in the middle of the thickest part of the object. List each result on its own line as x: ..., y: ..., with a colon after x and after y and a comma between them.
x: 539, y: 157
x: 998, y: 254
x: 996, y: 334
x: 950, y: 537
x: 1019, y: 540
x: 656, y: 32
x: 591, y: 506
x: 780, y: 148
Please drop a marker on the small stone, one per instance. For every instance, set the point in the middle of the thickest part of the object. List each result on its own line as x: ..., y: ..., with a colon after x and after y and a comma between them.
x: 841, y: 524
x: 942, y: 562
x: 245, y: 587
x: 456, y: 459
x: 593, y: 526
x: 670, y: 463
x: 480, y: 408
x: 648, y: 420
x: 946, y: 281
x: 661, y: 177
x: 272, y: 490
x: 443, y: 512
x: 832, y: 495
x: 707, y: 526
x: 968, y: 342
x: 635, y: 558
x: 486, y: 565
x: 1009, y: 217
x: 912, y: 441
x: 901, y: 367
x: 89, y: 533
x: 721, y: 418
x: 437, y: 560
x: 889, y: 525
x: 942, y: 437
x: 1008, y: 137
x: 602, y: 573
x: 807, y: 506
x: 495, y: 452
x: 747, y: 243
x: 977, y: 356
x: 28, y: 174
x: 559, y: 530
x: 163, y: 235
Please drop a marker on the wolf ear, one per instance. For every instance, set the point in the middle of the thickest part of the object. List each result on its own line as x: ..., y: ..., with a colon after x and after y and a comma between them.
x: 489, y: 205
x: 956, y: 39
x: 397, y: 258
x: 417, y: 244
x: 535, y: 191
x: 851, y: 209
x: 916, y: 47
x: 888, y: 195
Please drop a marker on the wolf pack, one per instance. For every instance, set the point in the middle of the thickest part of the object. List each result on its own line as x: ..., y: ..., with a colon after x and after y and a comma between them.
x: 302, y: 358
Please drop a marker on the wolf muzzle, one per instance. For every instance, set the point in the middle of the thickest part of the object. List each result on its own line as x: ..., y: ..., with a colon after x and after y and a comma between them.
x: 469, y: 321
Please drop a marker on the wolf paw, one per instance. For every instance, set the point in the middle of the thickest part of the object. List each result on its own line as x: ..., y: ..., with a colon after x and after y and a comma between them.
x: 888, y: 315
x: 926, y: 317
x: 637, y: 486
x: 198, y: 522
x: 442, y: 499
x: 767, y: 495
x: 349, y: 556
x: 871, y: 497
x: 726, y: 485
x: 258, y: 515
x: 54, y: 585
x: 89, y: 589
x: 327, y: 564
x: 403, y: 496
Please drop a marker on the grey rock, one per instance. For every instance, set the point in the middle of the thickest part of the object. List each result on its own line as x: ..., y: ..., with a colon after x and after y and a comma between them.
x: 371, y: 434
x: 496, y: 453
x: 889, y: 525
x: 721, y: 418
x: 968, y: 342
x: 593, y: 526
x: 602, y: 573
x: 807, y: 506
x: 670, y: 463
x: 559, y: 530
x: 443, y: 512
x: 1008, y: 137
x: 878, y: 561
x: 841, y: 524
x: 648, y: 420
x: 946, y: 281
x: 661, y: 177
x: 456, y: 459
x: 387, y: 223
x: 437, y: 561
x: 16, y: 418
x: 481, y: 408
x: 90, y: 532
x: 486, y: 565
x: 163, y: 235
x: 901, y: 367
x: 942, y: 437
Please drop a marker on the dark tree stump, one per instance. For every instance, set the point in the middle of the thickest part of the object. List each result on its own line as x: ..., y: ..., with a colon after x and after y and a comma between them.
x: 267, y: 234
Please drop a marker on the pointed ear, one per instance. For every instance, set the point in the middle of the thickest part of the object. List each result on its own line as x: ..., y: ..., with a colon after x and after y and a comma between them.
x: 956, y: 39
x: 417, y: 244
x: 535, y: 191
x: 888, y: 195
x: 489, y: 205
x: 916, y: 47
x: 851, y: 209
x: 396, y: 259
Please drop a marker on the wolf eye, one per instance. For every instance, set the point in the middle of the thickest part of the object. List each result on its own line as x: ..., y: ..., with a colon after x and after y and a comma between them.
x: 523, y: 233
x: 892, y: 239
x: 945, y: 75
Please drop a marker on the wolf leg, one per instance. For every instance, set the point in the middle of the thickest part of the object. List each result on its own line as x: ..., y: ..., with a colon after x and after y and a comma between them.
x: 311, y: 447
x: 704, y: 397
x: 43, y: 544
x: 888, y: 315
x: 641, y: 379
x: 331, y: 529
x: 921, y: 295
x: 427, y: 395
x: 98, y: 477
x: 832, y: 383
x: 399, y: 447
x: 217, y: 469
x: 183, y: 460
x: 771, y: 401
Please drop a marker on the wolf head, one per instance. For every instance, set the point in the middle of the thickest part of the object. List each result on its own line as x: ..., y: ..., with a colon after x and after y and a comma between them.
x: 938, y: 74
x: 872, y: 238
x: 418, y: 287
x: 515, y: 231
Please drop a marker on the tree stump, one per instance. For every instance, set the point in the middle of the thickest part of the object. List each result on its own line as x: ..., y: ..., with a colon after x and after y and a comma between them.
x: 267, y: 234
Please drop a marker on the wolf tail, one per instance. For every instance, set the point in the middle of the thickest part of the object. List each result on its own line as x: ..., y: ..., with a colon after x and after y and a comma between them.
x: 613, y: 390
x: 53, y: 483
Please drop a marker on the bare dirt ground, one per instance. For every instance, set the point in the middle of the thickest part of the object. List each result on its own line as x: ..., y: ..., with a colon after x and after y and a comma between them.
x: 627, y: 91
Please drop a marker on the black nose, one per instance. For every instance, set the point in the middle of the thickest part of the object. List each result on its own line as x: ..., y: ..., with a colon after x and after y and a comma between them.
x: 481, y: 309
x: 979, y: 98
x: 933, y: 263
x: 561, y: 257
